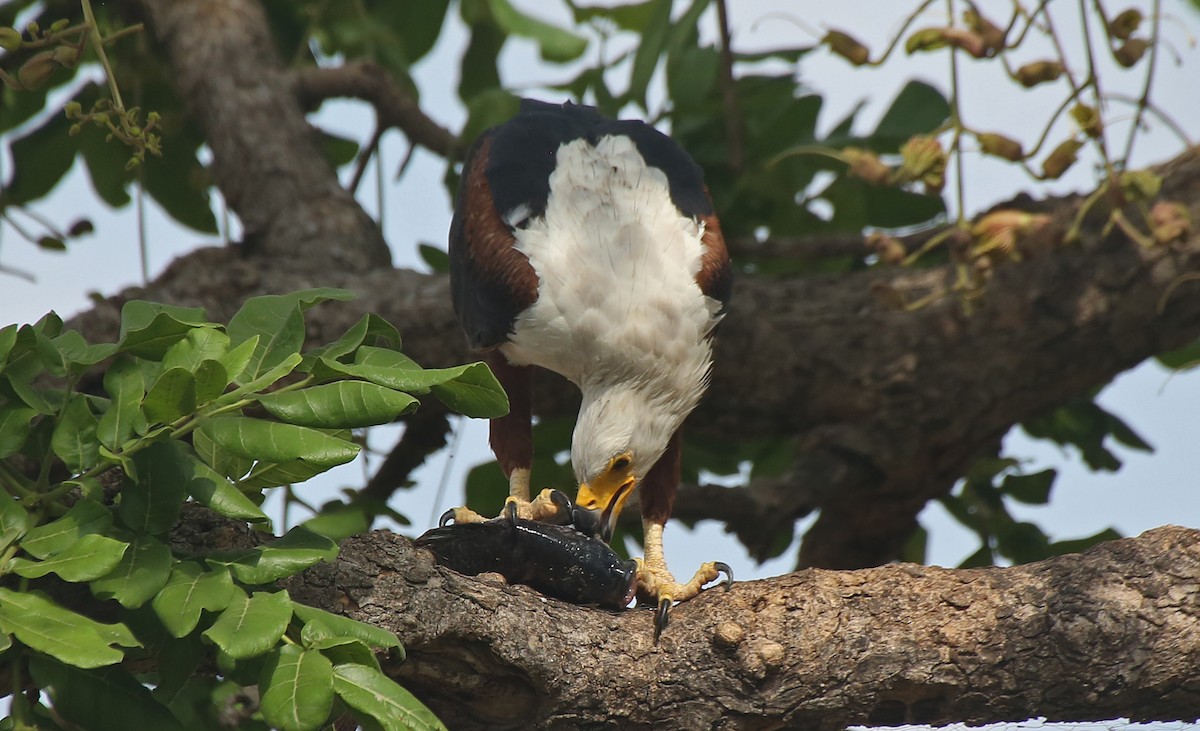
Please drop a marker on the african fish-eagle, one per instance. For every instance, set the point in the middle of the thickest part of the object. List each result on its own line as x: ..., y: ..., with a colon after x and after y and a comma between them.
x: 589, y: 246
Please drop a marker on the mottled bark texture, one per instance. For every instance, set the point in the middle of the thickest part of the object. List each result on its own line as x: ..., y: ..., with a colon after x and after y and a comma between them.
x: 1112, y: 632
x: 885, y: 408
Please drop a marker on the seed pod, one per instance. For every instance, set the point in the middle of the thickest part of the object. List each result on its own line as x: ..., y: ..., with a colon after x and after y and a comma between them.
x: 888, y: 248
x: 10, y: 39
x: 866, y: 165
x: 1131, y: 51
x: 37, y: 70
x: 992, y: 34
x: 1126, y: 22
x: 1140, y: 185
x: 1088, y: 119
x: 924, y: 160
x: 1038, y: 72
x: 1061, y: 159
x: 847, y: 47
x: 1170, y: 221
x: 996, y: 144
x: 997, y: 232
x: 66, y: 56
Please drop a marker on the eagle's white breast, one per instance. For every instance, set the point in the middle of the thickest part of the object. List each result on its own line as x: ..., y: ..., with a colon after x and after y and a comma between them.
x: 618, y: 311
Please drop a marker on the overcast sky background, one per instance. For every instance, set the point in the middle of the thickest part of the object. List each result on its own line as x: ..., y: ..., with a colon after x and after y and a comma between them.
x: 1150, y: 490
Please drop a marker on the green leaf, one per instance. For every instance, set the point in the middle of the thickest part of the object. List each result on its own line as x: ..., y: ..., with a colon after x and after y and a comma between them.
x: 172, y: 396
x: 74, y: 438
x: 189, y: 590
x: 371, y: 329
x: 88, y: 558
x: 44, y: 626
x: 149, y: 329
x: 211, y: 380
x: 280, y: 333
x: 649, y: 50
x: 14, y: 520
x: 475, y: 393
x: 1022, y: 542
x: 917, y: 109
x: 1033, y: 489
x: 341, y: 405
x: 286, y: 556
x: 238, y: 358
x: 1182, y: 358
x: 556, y: 44
x: 435, y: 258
x: 77, y: 352
x: 105, y: 163
x: 338, y: 150
x: 369, y: 691
x: 151, y: 502
x: 250, y: 627
x: 339, y: 521
x: 1076, y: 545
x: 110, y: 699
x: 341, y: 650
x: 326, y: 625
x: 297, y: 689
x: 40, y: 159
x: 123, y: 382
x: 179, y: 183
x: 274, y: 442
x: 142, y: 572
x: 220, y: 460
x: 199, y: 345
x: 278, y: 320
x: 216, y: 493
x: 15, y: 423
x: 470, y: 389
x: 86, y: 517
x: 8, y: 339
x: 274, y: 474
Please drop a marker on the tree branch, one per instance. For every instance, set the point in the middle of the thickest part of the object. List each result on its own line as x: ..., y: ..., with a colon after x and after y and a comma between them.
x: 394, y: 103
x: 266, y: 159
x: 1111, y: 632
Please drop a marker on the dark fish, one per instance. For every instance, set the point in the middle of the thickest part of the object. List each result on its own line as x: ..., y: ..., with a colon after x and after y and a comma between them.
x: 557, y: 560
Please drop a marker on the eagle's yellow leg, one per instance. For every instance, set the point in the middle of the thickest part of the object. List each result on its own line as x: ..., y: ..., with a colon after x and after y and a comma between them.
x: 545, y: 507
x: 656, y: 583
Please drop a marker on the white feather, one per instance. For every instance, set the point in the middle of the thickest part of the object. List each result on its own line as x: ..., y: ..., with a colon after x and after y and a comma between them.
x: 618, y: 312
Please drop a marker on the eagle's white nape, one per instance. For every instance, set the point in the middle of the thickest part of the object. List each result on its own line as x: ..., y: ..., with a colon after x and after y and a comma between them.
x: 618, y: 311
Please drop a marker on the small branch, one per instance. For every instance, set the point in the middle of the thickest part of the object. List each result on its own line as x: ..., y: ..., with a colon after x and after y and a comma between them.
x: 424, y: 433
x: 393, y: 103
x: 734, y: 137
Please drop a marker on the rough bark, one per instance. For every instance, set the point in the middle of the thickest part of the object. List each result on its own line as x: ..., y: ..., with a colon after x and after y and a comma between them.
x: 1112, y: 632
x: 886, y: 408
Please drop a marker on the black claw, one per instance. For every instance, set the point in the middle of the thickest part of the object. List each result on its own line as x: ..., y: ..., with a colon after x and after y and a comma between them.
x: 510, y: 511
x: 446, y: 518
x: 563, y: 503
x: 723, y: 568
x: 661, y: 617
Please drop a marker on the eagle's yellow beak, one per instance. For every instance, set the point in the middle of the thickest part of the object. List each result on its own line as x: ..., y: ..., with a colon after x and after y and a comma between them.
x: 602, y: 499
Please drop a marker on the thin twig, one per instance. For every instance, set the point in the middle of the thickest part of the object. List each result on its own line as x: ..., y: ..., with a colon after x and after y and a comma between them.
x: 734, y: 137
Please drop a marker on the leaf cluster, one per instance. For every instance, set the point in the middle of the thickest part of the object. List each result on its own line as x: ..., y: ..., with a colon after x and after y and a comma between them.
x: 191, y: 411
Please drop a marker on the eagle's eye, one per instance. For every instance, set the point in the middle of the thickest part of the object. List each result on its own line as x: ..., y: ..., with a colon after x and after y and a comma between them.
x: 620, y: 463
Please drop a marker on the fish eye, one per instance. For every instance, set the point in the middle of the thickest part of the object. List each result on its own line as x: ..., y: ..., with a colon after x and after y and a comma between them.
x: 620, y: 463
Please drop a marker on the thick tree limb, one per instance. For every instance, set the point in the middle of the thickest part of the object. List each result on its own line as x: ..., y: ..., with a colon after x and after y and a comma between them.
x: 1111, y: 632
x: 266, y: 159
